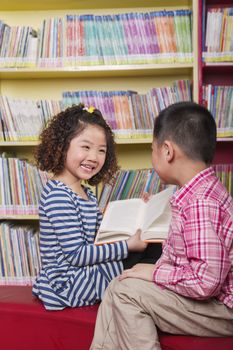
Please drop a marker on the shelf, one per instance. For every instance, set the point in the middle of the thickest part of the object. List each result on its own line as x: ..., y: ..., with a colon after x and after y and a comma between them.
x: 15, y: 5
x: 19, y: 217
x: 119, y: 141
x: 220, y: 73
x: 35, y: 143
x: 133, y: 141
x: 97, y: 71
x: 219, y: 3
x: 18, y: 143
x: 217, y: 64
x: 224, y: 152
x: 218, y: 67
x: 225, y: 139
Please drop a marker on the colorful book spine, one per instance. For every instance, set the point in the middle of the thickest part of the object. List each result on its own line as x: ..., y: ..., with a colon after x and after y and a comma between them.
x: 218, y: 35
x: 23, y: 184
x: 20, y: 260
x: 219, y: 100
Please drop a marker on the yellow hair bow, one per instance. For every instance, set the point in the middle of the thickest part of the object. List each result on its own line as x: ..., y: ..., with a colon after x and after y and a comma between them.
x: 89, y: 109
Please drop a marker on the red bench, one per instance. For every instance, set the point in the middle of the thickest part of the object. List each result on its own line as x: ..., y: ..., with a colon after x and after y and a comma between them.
x: 26, y: 325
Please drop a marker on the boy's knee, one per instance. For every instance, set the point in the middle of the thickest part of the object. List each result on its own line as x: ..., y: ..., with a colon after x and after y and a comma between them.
x: 113, y: 285
x: 133, y: 289
x: 127, y: 286
x: 116, y: 287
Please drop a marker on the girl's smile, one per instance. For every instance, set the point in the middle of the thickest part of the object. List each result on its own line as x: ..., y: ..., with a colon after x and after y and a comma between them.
x: 85, y: 156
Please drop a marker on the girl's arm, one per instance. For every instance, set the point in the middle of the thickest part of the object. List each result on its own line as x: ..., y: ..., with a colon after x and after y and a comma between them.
x: 77, y: 247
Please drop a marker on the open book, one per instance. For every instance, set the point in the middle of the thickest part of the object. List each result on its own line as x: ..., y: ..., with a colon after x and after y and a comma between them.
x: 122, y: 218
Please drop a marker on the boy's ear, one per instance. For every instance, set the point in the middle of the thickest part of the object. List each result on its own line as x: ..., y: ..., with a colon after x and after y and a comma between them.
x: 168, y: 150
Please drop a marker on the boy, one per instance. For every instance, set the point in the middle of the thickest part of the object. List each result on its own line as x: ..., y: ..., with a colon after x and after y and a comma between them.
x: 190, y: 288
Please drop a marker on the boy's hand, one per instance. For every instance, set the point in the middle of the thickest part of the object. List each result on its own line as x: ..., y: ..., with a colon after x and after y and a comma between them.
x: 146, y: 196
x: 141, y: 271
x: 135, y: 244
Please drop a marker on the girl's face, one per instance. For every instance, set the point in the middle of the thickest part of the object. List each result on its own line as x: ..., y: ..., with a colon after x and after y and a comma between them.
x: 86, y: 155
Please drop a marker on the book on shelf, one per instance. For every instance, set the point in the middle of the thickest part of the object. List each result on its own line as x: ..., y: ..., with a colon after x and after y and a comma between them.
x: 130, y: 184
x: 129, y: 113
x: 219, y: 101
x: 218, y: 39
x: 89, y: 40
x: 21, y: 184
x: 20, y: 259
x: 123, y: 218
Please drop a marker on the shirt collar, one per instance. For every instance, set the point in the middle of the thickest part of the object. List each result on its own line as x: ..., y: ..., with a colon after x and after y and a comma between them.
x: 181, y: 196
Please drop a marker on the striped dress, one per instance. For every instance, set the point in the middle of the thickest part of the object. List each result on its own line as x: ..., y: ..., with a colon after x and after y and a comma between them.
x: 74, y: 271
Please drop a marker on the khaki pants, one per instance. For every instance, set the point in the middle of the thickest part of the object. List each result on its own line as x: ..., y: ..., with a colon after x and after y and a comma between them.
x: 132, y: 310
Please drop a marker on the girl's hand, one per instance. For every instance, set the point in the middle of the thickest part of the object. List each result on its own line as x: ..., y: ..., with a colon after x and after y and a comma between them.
x: 135, y: 244
x: 141, y: 271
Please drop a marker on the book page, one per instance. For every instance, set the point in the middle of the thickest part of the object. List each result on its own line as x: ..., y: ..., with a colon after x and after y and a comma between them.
x: 155, y: 207
x: 111, y: 237
x: 123, y: 217
x: 159, y: 228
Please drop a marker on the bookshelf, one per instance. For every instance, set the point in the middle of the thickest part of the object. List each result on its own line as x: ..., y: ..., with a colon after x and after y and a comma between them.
x: 42, y: 83
x: 214, y: 73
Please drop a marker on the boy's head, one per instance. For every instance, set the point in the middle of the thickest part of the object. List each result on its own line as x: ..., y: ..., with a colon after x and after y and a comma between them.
x: 191, y: 127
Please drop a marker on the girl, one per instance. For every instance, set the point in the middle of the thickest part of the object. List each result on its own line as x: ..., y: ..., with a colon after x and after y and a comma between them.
x: 77, y: 145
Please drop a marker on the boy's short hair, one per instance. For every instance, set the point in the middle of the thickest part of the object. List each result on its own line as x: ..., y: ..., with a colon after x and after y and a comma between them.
x: 191, y: 126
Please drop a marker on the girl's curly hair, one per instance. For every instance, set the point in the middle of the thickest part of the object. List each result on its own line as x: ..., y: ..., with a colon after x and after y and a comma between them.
x: 50, y: 154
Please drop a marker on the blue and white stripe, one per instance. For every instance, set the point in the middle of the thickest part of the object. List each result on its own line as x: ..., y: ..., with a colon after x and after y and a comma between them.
x: 75, y: 272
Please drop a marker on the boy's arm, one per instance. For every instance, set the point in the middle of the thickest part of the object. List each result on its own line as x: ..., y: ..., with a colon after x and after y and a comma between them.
x: 195, y: 262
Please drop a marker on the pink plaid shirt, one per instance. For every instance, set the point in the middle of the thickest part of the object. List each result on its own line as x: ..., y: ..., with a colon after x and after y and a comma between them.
x: 197, y: 259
